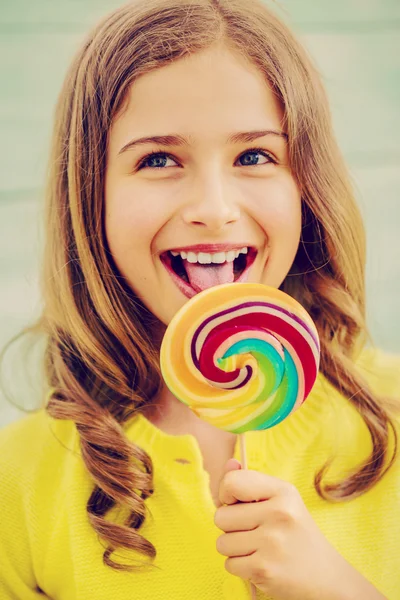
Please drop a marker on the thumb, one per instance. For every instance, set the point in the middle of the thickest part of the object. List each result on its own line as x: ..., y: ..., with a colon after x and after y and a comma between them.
x: 232, y: 465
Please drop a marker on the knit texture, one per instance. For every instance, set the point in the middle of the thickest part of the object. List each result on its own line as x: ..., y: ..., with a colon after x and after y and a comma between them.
x: 47, y: 543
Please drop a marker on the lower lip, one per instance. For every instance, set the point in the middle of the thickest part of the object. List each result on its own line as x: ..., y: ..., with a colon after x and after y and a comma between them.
x: 187, y: 289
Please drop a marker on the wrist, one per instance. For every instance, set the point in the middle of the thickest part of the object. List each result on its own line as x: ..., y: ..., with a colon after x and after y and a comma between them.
x: 355, y: 586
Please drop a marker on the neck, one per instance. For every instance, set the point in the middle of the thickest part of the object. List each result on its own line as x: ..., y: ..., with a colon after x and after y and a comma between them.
x: 176, y: 418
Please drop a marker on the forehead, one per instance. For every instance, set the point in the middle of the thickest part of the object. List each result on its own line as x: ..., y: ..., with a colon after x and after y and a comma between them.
x: 208, y: 94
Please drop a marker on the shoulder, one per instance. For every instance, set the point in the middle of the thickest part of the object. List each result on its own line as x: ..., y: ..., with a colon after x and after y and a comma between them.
x: 381, y: 370
x: 34, y: 447
x: 36, y: 453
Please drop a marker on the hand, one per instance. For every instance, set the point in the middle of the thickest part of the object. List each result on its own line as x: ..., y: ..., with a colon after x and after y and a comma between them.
x: 272, y: 540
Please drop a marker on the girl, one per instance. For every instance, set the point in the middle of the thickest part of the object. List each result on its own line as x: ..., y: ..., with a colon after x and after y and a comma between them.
x: 185, y: 131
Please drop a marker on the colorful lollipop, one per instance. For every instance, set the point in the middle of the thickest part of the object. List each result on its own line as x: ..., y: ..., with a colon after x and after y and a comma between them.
x: 242, y: 356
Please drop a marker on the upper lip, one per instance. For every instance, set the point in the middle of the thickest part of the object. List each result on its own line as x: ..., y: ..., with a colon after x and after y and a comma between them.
x: 210, y: 248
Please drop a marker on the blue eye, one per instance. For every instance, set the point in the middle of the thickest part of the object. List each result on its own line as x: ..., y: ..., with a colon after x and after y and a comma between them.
x: 161, y: 156
x: 154, y: 156
x: 254, y: 152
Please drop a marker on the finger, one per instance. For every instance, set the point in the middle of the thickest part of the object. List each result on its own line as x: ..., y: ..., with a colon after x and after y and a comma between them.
x: 242, y: 516
x: 241, y: 543
x: 241, y: 566
x: 245, y: 485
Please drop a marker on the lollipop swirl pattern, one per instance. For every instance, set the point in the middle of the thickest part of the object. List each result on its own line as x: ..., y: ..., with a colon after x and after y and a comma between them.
x: 241, y: 356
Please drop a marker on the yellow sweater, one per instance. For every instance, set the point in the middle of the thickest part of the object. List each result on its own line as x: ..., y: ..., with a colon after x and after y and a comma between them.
x: 47, y: 543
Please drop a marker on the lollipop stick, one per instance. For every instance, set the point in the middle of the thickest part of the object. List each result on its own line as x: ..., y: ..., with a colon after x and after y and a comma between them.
x: 243, y: 458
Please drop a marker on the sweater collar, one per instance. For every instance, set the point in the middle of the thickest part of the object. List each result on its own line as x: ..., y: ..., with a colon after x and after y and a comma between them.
x: 299, y: 427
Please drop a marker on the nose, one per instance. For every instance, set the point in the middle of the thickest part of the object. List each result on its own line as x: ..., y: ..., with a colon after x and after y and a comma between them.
x: 210, y: 206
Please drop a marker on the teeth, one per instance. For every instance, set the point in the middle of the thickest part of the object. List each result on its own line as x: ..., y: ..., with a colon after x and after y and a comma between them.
x: 204, y: 258
x: 219, y: 257
x: 191, y: 257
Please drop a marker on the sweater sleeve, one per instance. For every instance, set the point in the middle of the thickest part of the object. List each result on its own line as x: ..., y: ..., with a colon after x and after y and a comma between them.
x: 17, y: 569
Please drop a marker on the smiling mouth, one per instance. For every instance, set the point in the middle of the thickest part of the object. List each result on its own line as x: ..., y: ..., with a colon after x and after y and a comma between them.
x: 206, y: 275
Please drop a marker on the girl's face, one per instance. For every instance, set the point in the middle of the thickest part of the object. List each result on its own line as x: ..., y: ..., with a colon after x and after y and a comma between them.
x: 176, y: 221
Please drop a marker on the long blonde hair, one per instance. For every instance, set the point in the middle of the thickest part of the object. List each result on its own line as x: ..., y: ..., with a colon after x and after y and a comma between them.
x: 101, y: 362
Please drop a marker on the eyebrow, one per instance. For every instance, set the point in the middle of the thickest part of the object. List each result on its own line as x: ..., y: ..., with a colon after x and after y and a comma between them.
x: 179, y: 140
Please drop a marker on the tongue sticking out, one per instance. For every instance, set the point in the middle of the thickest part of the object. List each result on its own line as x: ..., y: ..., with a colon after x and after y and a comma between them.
x: 202, y: 277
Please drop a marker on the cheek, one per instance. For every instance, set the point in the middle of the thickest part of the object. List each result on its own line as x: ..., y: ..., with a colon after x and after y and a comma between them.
x: 132, y: 219
x: 283, y: 226
x: 279, y: 210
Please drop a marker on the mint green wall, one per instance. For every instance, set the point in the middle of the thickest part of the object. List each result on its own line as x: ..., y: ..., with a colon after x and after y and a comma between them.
x: 356, y: 44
